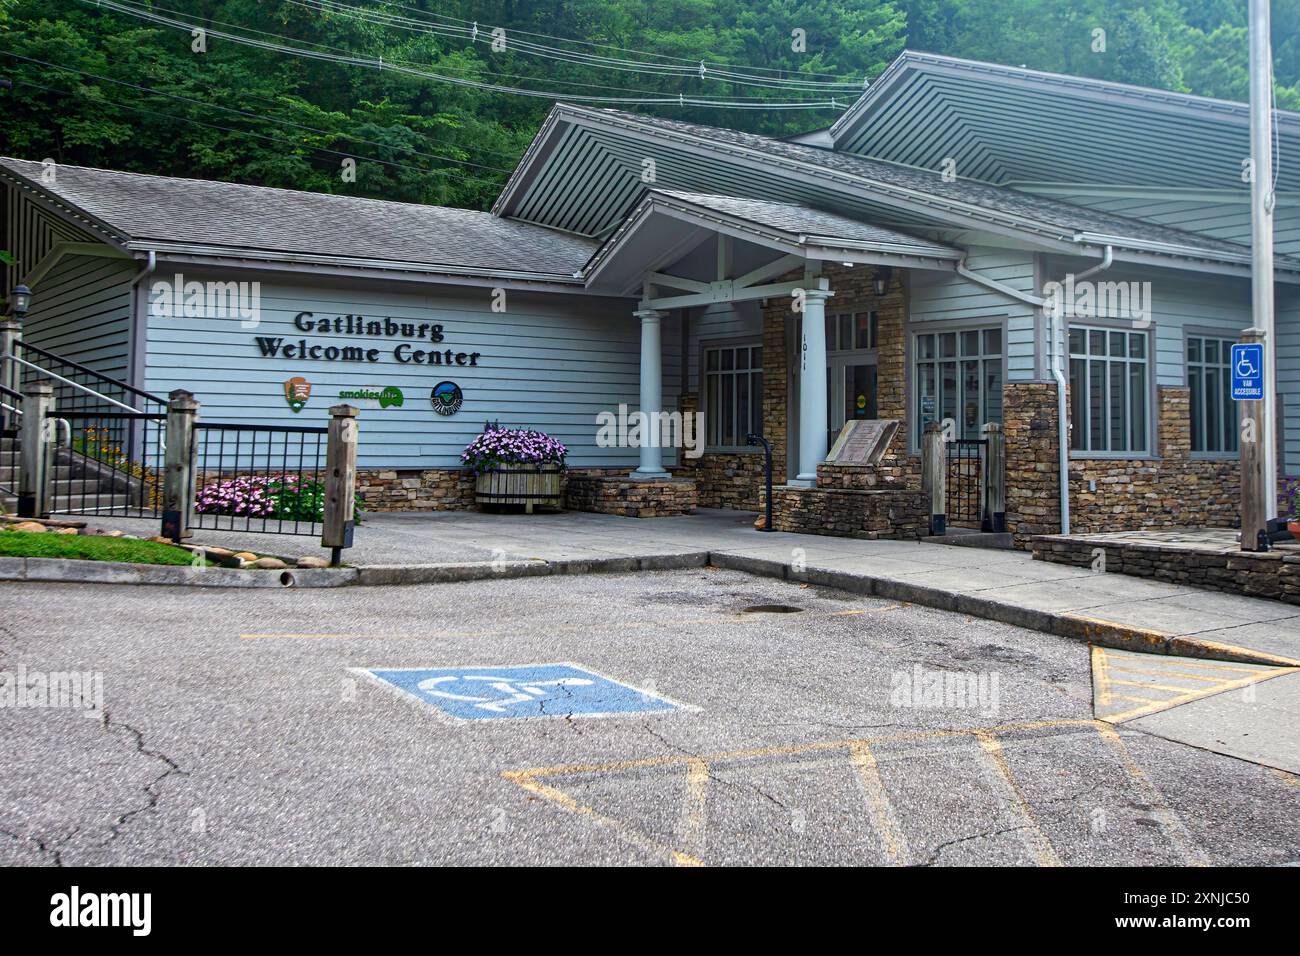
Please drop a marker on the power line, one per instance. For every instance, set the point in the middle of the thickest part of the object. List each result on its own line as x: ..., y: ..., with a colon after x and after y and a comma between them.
x: 608, y: 46
x: 699, y: 70
x: 680, y: 100
x: 269, y: 119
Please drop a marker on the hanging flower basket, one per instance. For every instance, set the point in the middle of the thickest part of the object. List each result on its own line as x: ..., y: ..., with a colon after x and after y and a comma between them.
x: 514, y: 466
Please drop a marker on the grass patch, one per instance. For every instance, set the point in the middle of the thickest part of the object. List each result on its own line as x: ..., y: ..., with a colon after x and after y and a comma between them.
x: 27, y: 544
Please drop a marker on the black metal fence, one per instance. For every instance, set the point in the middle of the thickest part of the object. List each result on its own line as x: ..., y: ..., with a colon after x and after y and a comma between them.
x: 965, y: 481
x: 262, y: 478
x: 105, y: 462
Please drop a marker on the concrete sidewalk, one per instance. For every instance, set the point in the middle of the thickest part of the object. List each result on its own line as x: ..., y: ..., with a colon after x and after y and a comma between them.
x: 1008, y: 586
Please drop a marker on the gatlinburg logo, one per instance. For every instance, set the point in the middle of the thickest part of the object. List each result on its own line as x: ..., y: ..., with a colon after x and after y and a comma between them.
x: 446, y: 398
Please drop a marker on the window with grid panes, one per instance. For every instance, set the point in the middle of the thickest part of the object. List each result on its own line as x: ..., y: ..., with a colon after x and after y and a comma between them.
x: 733, y: 394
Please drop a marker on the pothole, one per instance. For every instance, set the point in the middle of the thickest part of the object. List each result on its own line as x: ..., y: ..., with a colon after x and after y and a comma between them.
x: 771, y: 609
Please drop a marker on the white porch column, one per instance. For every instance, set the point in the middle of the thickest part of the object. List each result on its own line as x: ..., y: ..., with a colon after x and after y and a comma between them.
x: 812, y: 386
x: 652, y: 392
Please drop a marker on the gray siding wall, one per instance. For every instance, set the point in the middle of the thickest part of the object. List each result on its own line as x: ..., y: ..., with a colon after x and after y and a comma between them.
x: 1287, y: 318
x: 81, y: 309
x: 549, y: 361
x: 722, y: 322
x: 1217, y: 217
x: 948, y: 297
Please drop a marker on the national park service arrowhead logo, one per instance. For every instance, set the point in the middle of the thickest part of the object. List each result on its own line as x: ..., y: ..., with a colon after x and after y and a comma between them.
x: 296, y: 392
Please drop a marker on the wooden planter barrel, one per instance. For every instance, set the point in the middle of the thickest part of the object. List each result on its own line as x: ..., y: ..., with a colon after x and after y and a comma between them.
x: 528, y: 485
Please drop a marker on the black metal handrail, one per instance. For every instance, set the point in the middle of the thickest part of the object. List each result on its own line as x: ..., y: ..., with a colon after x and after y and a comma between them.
x: 86, y: 370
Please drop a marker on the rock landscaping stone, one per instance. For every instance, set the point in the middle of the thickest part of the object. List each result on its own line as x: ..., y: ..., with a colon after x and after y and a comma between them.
x: 33, y: 527
x: 309, y: 562
x: 268, y: 564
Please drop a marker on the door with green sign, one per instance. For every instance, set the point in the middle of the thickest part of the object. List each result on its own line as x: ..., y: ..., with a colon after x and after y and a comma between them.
x: 851, y: 391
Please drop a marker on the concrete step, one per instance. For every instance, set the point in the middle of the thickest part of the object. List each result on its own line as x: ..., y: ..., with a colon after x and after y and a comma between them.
x: 970, y: 538
x: 9, y: 473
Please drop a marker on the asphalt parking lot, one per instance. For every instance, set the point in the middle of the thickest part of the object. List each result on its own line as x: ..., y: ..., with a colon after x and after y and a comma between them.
x: 244, y: 727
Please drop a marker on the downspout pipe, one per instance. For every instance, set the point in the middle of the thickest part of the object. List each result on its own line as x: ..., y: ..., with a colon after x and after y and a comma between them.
x: 1058, y: 373
x: 1057, y: 333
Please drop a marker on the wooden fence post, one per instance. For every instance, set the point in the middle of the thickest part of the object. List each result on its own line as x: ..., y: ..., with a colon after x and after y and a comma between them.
x: 340, y: 481
x: 178, y: 472
x: 994, y: 499
x: 934, y: 476
x: 34, y: 451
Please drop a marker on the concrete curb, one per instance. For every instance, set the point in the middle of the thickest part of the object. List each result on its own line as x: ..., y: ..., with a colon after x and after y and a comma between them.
x: 68, y: 571
x: 1060, y: 623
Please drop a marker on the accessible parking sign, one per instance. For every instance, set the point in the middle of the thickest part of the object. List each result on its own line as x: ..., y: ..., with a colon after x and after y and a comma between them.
x: 1248, y: 373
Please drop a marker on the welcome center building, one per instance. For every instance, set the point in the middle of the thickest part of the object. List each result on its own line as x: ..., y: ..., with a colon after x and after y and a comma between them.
x: 968, y: 244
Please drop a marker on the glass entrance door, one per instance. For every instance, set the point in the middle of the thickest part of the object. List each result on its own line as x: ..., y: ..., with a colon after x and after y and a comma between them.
x: 850, y: 393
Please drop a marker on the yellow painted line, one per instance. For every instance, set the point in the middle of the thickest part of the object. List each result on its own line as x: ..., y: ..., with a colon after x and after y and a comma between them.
x: 527, y: 780
x: 1286, y: 776
x: 694, y: 812
x: 821, y: 745
x: 1176, y: 661
x: 1041, y: 847
x: 1137, y: 683
x: 878, y: 803
x: 1100, y: 674
x: 1135, y: 670
x: 1198, y: 695
x: 1169, y: 821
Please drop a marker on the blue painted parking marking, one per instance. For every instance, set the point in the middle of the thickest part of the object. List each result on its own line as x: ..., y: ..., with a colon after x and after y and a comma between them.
x: 525, y: 691
x: 1247, y: 372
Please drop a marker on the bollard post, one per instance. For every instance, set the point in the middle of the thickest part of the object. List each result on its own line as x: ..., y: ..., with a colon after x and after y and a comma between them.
x: 994, y: 499
x: 35, y: 446
x: 934, y: 476
x: 340, y: 481
x: 178, y: 467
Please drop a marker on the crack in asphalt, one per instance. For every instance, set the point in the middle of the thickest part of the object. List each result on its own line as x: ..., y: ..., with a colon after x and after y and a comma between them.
x: 938, y: 850
x: 151, y: 789
x: 708, y: 769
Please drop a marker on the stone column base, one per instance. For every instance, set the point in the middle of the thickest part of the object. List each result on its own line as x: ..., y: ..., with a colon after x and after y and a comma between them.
x: 630, y: 497
x: 850, y: 512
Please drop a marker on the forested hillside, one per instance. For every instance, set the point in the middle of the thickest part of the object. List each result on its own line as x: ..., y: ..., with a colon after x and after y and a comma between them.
x: 431, y: 98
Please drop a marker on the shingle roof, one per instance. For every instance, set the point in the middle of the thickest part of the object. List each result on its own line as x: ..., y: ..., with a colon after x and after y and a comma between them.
x: 800, y: 220
x: 1068, y: 218
x: 249, y: 219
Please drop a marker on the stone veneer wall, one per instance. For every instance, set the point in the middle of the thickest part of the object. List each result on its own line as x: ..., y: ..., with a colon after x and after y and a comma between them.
x: 850, y: 512
x: 1271, y: 574
x: 432, y: 489
x: 1173, y: 490
x: 621, y: 495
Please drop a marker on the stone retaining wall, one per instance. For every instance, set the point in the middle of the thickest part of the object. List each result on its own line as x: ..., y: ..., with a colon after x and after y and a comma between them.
x: 1272, y: 574
x: 625, y: 496
x: 850, y: 512
x: 432, y: 489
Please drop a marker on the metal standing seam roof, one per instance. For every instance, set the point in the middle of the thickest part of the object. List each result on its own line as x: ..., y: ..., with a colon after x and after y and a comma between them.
x: 1007, y: 124
x: 591, y: 177
x: 143, y: 210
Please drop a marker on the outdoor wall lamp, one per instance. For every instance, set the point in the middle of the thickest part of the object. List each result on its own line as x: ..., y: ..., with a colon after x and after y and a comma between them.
x: 19, y: 301
x: 883, y: 277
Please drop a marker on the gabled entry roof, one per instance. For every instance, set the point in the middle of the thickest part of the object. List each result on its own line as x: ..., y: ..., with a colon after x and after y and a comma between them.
x: 587, y: 168
x: 163, y: 213
x: 669, y: 226
x: 1004, y: 124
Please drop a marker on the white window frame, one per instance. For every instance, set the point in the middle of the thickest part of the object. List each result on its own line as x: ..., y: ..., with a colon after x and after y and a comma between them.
x: 1080, y: 430
x: 756, y: 401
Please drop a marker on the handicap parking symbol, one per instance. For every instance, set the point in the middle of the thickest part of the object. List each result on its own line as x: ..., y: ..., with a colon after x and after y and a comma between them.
x: 1247, y: 372
x: 529, y: 690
